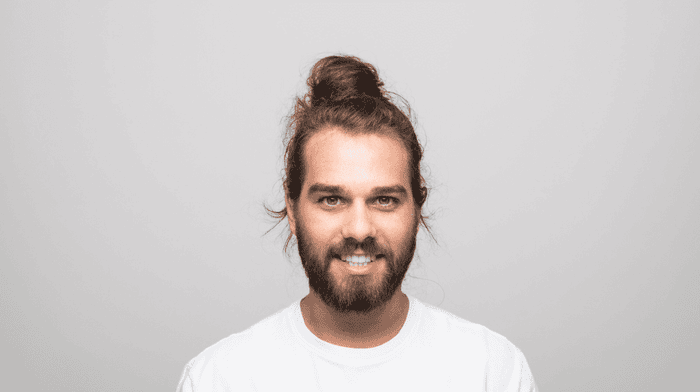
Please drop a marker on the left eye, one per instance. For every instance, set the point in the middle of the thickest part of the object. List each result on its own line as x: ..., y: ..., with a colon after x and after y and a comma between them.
x: 331, y: 201
x: 385, y: 201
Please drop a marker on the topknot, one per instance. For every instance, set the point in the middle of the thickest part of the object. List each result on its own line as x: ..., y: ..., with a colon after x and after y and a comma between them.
x: 337, y: 79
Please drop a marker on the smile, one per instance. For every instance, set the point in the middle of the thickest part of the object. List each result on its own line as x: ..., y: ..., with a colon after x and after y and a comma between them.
x: 357, y: 260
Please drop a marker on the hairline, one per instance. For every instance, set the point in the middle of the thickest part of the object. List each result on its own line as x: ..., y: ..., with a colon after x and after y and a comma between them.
x: 384, y: 131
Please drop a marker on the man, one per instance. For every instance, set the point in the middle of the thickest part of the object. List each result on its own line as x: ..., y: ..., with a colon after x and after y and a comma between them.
x: 353, y: 195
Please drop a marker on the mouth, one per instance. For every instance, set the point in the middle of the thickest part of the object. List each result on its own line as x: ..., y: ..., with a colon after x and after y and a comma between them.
x: 358, y: 260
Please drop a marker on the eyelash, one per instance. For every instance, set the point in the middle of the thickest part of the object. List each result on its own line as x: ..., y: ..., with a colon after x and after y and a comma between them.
x: 392, y: 200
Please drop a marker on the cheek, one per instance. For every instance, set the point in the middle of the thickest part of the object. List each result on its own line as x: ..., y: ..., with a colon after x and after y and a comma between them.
x: 391, y: 237
x: 399, y: 225
x: 320, y: 227
x: 317, y: 220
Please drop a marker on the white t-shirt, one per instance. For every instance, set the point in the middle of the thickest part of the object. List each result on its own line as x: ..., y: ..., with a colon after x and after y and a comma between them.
x: 434, y: 351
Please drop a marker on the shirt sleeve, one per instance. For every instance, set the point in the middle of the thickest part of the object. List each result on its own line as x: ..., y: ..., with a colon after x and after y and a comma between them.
x: 208, y: 373
x: 186, y: 384
x: 522, y: 380
x: 507, y: 369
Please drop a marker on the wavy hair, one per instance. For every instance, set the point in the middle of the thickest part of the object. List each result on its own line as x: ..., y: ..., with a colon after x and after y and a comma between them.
x: 346, y: 92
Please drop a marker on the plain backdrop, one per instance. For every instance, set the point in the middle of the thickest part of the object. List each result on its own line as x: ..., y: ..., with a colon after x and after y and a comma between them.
x: 140, y: 139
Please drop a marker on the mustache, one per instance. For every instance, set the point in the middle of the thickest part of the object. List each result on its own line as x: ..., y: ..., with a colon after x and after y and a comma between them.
x: 369, y: 246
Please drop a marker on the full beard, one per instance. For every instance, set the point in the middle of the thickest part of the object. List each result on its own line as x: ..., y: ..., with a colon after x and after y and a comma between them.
x: 356, y: 293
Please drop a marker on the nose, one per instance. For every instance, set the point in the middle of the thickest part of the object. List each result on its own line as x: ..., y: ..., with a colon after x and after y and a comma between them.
x: 359, y: 223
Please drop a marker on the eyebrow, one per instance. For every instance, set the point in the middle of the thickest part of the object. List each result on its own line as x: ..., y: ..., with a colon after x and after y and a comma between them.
x: 323, y: 188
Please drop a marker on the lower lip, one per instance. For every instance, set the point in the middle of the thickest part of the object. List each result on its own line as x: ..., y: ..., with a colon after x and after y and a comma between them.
x: 359, y: 269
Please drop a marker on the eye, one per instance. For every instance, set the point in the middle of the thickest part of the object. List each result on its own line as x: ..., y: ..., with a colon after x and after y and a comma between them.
x: 330, y: 201
x: 386, y: 201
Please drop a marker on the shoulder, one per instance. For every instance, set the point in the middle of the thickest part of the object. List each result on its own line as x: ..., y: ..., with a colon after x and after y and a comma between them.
x: 233, y: 354
x: 505, y: 366
x: 444, y: 322
x: 229, y: 348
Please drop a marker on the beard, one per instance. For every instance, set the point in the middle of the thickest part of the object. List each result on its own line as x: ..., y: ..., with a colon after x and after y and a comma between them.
x: 355, y: 293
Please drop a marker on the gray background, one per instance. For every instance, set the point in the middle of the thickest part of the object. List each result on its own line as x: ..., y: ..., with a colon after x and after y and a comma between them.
x: 139, y: 140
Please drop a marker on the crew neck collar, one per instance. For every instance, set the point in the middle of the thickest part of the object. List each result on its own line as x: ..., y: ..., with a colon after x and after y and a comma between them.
x: 355, y: 356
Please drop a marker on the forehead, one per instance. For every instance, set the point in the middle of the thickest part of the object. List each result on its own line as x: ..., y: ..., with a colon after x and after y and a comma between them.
x: 359, y: 161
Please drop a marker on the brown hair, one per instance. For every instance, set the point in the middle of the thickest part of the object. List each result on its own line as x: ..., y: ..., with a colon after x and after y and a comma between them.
x: 346, y: 92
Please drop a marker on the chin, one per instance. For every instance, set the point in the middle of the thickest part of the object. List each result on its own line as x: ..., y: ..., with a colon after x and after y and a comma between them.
x: 356, y: 296
x: 346, y: 293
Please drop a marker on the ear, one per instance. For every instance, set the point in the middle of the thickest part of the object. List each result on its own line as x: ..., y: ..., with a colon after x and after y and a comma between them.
x: 290, y: 215
x: 417, y: 212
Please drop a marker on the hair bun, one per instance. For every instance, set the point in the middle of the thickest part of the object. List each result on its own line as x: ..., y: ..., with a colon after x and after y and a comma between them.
x: 342, y: 78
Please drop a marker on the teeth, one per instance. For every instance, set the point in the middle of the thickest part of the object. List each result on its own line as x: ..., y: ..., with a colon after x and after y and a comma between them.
x: 358, y: 260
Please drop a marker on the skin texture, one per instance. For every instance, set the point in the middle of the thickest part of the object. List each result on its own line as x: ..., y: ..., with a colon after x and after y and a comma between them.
x: 356, y: 199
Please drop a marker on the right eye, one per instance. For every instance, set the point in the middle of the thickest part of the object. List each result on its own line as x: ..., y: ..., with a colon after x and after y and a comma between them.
x: 330, y: 201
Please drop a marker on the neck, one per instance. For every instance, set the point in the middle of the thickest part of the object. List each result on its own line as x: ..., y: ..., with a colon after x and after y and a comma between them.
x: 353, y: 329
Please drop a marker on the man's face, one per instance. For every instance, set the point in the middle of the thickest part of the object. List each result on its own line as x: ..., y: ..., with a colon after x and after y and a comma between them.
x: 355, y: 201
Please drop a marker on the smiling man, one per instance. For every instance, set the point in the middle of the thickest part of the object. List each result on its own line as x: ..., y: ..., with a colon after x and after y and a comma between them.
x: 356, y: 225
x: 354, y: 194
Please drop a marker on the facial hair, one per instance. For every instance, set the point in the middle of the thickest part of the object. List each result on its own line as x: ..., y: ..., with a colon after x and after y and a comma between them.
x: 354, y: 293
